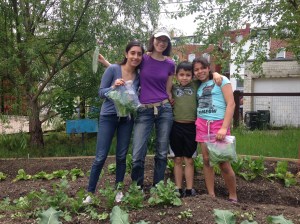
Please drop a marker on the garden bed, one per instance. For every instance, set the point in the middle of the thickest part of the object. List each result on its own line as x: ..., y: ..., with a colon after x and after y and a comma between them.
x: 259, y: 198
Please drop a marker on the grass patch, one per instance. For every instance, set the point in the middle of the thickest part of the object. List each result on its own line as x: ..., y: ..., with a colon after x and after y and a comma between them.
x: 269, y: 143
x: 282, y: 143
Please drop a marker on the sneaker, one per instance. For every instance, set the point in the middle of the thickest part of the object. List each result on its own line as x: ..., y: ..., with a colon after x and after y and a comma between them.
x: 181, y: 192
x: 190, y: 192
x: 195, y: 154
x: 119, y: 196
x: 171, y: 153
x: 87, y: 200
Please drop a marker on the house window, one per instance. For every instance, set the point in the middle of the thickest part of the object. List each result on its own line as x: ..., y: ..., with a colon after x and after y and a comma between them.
x: 281, y: 53
x: 206, y: 56
x: 191, y: 57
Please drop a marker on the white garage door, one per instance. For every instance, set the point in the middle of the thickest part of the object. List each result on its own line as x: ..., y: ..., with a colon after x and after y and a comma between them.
x: 284, y: 110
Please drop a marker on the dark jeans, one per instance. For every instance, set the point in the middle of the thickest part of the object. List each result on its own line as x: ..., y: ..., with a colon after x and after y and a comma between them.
x: 108, y: 124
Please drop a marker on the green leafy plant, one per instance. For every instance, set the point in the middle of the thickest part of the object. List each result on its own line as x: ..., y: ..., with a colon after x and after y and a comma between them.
x: 134, y: 198
x: 118, y: 216
x: 50, y: 216
x: 198, y: 163
x: 22, y: 202
x: 281, y: 172
x: 128, y: 163
x: 224, y: 216
x: 2, y: 176
x: 43, y: 175
x: 238, y: 165
x: 278, y: 220
x: 75, y: 173
x: 112, y: 168
x: 110, y: 194
x: 248, y: 215
x: 185, y: 214
x: 60, y: 174
x: 22, y: 175
x: 170, y: 165
x: 248, y: 222
x: 164, y: 194
x: 252, y: 168
x: 94, y: 214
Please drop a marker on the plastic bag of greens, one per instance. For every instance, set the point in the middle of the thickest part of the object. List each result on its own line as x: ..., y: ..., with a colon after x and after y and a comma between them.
x: 125, y: 99
x: 221, y: 151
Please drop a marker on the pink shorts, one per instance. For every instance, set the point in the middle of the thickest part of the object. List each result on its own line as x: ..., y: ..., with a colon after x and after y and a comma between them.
x: 205, y: 127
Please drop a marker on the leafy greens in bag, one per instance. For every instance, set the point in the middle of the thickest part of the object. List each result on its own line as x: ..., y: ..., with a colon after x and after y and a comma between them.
x: 125, y: 99
x: 221, y: 151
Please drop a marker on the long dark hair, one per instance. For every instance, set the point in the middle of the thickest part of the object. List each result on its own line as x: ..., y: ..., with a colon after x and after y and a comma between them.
x: 133, y: 43
x: 205, y: 64
x: 166, y: 52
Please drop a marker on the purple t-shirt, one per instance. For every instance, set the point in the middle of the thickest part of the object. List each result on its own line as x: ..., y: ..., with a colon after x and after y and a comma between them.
x: 153, y: 79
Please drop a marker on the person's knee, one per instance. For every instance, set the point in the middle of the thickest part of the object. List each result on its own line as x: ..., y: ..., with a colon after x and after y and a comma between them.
x: 178, y: 160
x: 188, y: 161
x: 226, y: 169
x: 206, y: 161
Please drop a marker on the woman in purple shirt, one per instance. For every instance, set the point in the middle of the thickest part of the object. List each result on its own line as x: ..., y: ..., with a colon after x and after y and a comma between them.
x: 156, y: 76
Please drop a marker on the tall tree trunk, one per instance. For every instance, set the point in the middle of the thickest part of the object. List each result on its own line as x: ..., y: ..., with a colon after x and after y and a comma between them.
x: 35, y: 126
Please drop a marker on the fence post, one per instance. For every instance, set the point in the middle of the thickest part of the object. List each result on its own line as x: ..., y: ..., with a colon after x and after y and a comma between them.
x: 236, y: 115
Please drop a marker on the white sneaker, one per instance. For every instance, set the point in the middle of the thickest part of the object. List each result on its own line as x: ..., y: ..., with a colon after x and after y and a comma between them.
x: 87, y: 200
x: 195, y: 154
x: 171, y: 153
x: 119, y: 196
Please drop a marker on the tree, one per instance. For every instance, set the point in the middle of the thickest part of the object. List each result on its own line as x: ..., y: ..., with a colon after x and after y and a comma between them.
x: 47, y: 47
x: 278, y: 19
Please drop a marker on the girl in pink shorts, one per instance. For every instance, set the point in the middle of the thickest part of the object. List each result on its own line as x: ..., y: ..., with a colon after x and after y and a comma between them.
x: 214, y: 114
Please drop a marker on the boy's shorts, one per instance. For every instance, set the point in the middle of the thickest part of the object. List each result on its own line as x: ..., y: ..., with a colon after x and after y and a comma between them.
x: 205, y: 127
x: 182, y: 139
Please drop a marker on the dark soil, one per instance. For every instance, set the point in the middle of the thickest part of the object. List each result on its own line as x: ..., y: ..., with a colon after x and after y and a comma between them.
x: 261, y: 197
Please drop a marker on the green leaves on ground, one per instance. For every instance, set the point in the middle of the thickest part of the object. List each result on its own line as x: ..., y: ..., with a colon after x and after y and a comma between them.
x: 134, y: 198
x: 62, y: 174
x: 164, y: 194
x: 118, y: 216
x: 2, y: 176
x: 278, y: 220
x: 224, y: 217
x: 281, y: 172
x: 22, y: 175
x: 249, y: 168
x: 50, y: 216
x: 109, y: 193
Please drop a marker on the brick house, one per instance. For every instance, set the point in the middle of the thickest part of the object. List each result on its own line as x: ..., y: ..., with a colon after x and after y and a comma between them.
x: 190, y: 50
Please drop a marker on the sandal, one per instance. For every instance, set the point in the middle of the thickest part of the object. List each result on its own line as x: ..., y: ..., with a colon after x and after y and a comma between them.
x: 233, y: 200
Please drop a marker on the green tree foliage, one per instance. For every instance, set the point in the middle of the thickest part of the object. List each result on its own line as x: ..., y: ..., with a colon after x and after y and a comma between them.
x: 47, y: 50
x: 268, y: 19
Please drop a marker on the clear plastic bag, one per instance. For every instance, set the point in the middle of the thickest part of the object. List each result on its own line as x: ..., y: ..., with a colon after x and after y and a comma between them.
x: 95, y: 59
x: 125, y: 99
x: 221, y: 151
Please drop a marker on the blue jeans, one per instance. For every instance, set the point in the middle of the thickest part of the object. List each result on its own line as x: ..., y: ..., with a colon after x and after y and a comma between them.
x: 142, y: 129
x: 108, y: 124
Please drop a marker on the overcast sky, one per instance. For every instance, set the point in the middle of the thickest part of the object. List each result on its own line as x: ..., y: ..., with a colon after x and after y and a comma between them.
x: 185, y: 25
